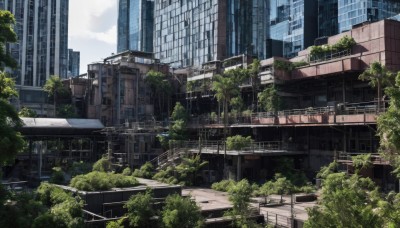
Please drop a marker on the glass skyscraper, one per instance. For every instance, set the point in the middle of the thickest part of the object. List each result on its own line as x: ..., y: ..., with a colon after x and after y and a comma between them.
x: 135, y: 25
x: 190, y: 33
x: 42, y: 47
x: 327, y: 18
x: 352, y: 12
x: 73, y: 63
x: 294, y: 22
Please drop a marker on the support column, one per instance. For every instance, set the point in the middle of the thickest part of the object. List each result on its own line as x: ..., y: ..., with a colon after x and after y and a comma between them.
x: 239, y: 168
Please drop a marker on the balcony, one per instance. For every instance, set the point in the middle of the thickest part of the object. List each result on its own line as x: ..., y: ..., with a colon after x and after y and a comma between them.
x: 256, y: 148
x: 351, y: 114
x: 346, y: 158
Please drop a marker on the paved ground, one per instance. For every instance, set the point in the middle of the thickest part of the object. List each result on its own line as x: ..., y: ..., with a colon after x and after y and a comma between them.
x: 209, y: 199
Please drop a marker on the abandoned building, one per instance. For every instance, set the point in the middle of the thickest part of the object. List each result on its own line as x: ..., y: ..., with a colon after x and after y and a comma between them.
x: 326, y: 113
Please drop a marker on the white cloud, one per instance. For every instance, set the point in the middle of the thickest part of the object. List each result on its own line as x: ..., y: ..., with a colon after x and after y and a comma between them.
x: 93, y: 19
x: 92, y: 29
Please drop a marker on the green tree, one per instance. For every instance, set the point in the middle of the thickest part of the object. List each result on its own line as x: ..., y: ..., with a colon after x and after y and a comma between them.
x: 54, y: 88
x: 346, y: 202
x: 102, y: 165
x: 11, y: 141
x: 145, y: 171
x: 27, y: 112
x: 266, y: 189
x: 389, y: 127
x: 269, y: 99
x: 66, y: 111
x: 7, y: 35
x: 188, y: 169
x: 238, y: 142
x: 179, y: 113
x: 161, y: 88
x: 140, y: 210
x: 181, y: 212
x: 378, y: 76
x: 361, y: 162
x: 282, y: 185
x: 255, y: 80
x: 225, y: 88
x: 239, y: 195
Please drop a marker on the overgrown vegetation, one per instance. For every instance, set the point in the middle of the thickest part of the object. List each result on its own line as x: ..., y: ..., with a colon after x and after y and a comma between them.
x: 140, y: 210
x: 183, y: 174
x: 238, y: 142
x: 102, y: 165
x: 181, y: 212
x: 145, y: 171
x: 287, y: 65
x: 320, y: 52
x: 269, y: 99
x: 101, y: 181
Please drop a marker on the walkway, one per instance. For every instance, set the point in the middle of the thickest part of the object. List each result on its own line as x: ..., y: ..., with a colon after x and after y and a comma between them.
x: 209, y: 199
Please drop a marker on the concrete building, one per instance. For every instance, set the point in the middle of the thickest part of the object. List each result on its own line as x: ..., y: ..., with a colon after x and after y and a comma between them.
x: 135, y: 25
x: 328, y: 112
x: 42, y: 47
x: 118, y: 95
x: 73, y: 63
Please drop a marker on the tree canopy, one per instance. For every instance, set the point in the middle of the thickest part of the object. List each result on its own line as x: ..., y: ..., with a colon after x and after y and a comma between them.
x: 389, y: 127
x: 7, y: 35
x: 11, y: 141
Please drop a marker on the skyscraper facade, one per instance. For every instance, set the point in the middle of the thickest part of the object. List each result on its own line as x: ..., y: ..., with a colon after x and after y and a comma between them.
x: 294, y: 22
x: 352, y: 12
x: 190, y: 33
x: 135, y: 25
x: 73, y: 63
x: 42, y: 47
x: 327, y: 18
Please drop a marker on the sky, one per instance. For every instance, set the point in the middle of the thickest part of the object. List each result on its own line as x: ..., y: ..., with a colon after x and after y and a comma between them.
x: 92, y: 29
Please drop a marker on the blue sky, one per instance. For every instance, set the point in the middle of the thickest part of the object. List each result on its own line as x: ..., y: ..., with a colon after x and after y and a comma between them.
x: 93, y: 29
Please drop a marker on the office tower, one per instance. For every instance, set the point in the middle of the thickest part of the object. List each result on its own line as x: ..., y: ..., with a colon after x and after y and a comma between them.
x: 190, y: 33
x: 42, y: 29
x: 41, y: 49
x: 294, y: 22
x: 351, y: 12
x: 135, y: 25
x: 327, y: 18
x: 73, y: 63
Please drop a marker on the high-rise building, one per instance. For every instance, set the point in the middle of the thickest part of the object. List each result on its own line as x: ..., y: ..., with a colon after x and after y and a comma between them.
x: 190, y: 33
x: 352, y: 12
x: 42, y: 29
x: 73, y: 63
x: 294, y: 22
x: 41, y: 49
x: 327, y: 18
x: 135, y: 25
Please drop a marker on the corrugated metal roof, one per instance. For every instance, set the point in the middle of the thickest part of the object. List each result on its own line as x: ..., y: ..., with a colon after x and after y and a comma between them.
x: 62, y: 123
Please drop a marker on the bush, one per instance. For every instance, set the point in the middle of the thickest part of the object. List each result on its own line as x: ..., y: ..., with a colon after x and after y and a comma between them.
x: 102, y: 165
x: 57, y: 177
x: 145, y: 171
x: 127, y: 171
x: 223, y: 185
x: 181, y: 212
x: 238, y: 142
x: 45, y: 220
x: 166, y: 176
x: 99, y: 181
x: 44, y: 193
x: 140, y: 210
